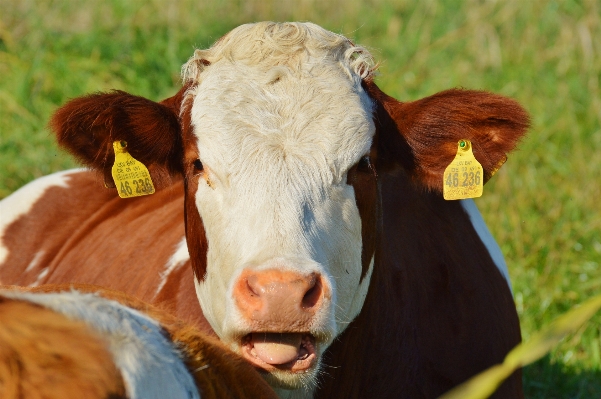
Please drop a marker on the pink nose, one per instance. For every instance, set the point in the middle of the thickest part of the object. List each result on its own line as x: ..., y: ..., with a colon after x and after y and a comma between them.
x: 279, y: 300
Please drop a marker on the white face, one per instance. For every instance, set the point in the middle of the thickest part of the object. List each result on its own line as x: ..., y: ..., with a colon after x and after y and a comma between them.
x: 276, y: 146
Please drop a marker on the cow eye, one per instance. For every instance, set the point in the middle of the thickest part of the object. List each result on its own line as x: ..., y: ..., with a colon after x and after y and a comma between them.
x: 198, y: 165
x: 364, y: 165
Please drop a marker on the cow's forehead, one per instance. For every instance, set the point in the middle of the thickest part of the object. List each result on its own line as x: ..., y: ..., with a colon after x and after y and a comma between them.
x: 287, y: 92
x: 318, y: 116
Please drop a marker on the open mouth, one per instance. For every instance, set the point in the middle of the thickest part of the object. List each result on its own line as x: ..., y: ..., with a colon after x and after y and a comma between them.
x: 294, y: 352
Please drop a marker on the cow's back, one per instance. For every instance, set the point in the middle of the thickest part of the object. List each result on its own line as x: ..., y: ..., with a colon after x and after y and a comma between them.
x: 68, y: 228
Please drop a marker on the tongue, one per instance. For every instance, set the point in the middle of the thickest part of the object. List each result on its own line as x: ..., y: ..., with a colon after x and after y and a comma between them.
x: 274, y: 348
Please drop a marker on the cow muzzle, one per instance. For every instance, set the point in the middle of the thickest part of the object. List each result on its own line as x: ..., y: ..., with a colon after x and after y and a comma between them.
x: 283, y: 310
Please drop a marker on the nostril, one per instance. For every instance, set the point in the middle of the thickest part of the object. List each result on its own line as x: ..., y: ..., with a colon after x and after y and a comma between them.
x: 251, y: 284
x: 311, y: 297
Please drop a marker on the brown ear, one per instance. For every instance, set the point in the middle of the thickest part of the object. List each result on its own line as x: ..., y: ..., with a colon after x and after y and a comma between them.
x: 87, y: 127
x: 422, y: 135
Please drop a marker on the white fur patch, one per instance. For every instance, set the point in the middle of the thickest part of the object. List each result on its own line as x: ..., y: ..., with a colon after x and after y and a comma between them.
x: 150, y: 365
x: 287, y: 44
x: 178, y: 259
x: 21, y: 201
x: 359, y: 296
x: 487, y: 239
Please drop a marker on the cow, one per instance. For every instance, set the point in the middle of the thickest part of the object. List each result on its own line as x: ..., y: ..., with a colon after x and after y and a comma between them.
x: 297, y: 215
x: 81, y: 341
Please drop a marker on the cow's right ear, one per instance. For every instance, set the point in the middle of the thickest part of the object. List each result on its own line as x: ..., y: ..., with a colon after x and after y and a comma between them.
x: 87, y: 127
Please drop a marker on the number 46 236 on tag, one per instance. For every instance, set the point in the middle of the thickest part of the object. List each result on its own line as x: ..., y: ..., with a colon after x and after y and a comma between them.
x: 463, y: 177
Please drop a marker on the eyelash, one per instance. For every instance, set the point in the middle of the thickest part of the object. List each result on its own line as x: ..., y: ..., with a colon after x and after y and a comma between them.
x: 198, y: 165
x: 364, y: 165
x: 199, y: 168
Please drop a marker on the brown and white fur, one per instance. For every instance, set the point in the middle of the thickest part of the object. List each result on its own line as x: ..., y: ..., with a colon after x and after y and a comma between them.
x: 317, y: 242
x: 87, y: 342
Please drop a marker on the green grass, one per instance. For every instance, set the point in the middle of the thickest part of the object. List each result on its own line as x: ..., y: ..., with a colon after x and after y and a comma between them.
x: 543, y: 206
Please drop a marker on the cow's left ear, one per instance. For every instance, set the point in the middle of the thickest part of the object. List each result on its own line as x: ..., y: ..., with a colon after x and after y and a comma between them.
x: 87, y: 127
x: 422, y: 135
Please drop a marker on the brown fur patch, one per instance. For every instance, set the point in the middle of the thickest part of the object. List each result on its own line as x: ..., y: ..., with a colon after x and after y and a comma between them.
x: 46, y: 355
x: 364, y: 179
x: 198, y: 244
x: 432, y: 317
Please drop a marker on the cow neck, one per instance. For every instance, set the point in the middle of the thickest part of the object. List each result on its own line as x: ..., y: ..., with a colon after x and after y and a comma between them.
x: 422, y: 295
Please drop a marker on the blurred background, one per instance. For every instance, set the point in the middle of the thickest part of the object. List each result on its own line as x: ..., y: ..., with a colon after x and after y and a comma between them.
x: 544, y: 205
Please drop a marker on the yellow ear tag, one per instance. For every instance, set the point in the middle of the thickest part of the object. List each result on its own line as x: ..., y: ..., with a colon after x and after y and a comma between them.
x: 463, y: 178
x: 131, y: 177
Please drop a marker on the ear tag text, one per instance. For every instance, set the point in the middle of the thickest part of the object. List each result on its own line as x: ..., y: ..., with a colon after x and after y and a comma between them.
x: 464, y: 177
x: 131, y: 177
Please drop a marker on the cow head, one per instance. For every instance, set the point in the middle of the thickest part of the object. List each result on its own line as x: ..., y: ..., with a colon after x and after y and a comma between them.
x: 279, y: 134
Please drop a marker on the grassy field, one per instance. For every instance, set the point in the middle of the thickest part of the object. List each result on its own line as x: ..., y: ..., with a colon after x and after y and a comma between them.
x: 543, y: 206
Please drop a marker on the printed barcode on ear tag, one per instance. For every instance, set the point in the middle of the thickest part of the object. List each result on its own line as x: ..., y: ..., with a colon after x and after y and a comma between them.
x: 463, y: 178
x: 131, y: 177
